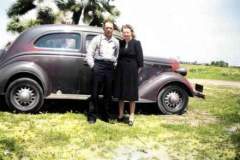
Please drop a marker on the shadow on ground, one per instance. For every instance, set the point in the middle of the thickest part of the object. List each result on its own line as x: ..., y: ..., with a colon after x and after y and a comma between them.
x: 79, y: 106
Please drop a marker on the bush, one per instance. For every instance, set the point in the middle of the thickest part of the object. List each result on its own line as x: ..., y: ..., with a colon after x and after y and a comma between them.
x: 219, y: 63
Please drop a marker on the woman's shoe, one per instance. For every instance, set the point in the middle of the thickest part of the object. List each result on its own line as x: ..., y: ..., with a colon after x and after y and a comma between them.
x: 130, y: 123
x: 131, y: 119
x: 120, y: 119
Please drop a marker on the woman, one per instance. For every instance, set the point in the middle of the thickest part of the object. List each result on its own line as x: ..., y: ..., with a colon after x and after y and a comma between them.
x: 126, y: 81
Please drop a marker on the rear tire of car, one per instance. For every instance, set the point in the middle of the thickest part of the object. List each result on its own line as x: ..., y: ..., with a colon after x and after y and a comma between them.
x: 172, y: 99
x: 24, y: 95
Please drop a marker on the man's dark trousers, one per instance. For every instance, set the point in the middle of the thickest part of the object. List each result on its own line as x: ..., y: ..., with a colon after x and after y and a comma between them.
x: 102, y: 77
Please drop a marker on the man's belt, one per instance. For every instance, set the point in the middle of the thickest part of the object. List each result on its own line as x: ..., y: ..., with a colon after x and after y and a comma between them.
x: 103, y: 61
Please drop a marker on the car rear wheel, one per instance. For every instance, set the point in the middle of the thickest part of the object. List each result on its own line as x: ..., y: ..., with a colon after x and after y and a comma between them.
x: 172, y: 99
x: 24, y: 95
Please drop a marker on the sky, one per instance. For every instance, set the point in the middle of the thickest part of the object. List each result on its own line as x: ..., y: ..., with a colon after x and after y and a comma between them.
x: 4, y: 36
x: 188, y: 30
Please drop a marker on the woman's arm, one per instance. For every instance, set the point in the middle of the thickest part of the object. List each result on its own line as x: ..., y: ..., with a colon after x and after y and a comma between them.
x: 139, y: 54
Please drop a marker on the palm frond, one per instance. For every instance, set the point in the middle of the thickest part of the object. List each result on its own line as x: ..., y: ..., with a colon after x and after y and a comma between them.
x: 65, y: 4
x: 15, y: 26
x: 46, y: 16
x: 20, y: 8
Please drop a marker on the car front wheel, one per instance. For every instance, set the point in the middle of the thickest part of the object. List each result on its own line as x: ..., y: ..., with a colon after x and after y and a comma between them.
x: 172, y: 99
x: 24, y: 95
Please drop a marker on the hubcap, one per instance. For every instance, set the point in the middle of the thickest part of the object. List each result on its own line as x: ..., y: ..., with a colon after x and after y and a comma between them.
x: 173, y: 99
x: 25, y: 96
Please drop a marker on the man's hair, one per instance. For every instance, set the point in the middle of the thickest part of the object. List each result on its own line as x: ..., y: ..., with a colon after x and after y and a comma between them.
x: 107, y: 21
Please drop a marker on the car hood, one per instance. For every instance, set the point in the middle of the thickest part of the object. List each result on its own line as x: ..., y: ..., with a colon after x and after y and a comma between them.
x: 157, y: 60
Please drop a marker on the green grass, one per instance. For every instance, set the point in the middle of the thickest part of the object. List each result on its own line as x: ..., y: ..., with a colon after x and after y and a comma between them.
x: 209, y: 130
x: 211, y: 72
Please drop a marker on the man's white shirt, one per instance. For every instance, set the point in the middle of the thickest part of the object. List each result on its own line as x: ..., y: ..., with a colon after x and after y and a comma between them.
x: 102, y: 48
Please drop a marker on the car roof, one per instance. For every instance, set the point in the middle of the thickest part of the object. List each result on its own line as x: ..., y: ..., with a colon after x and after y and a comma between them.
x: 25, y: 40
x: 68, y: 27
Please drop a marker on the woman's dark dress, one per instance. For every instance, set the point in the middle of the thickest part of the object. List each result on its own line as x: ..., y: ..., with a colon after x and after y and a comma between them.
x: 126, y: 78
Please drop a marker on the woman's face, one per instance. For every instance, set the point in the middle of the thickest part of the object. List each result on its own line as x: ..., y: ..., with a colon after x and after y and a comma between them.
x: 127, y: 34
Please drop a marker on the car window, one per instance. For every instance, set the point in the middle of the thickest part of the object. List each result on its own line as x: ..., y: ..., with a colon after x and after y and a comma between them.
x: 60, y: 41
x: 88, y: 40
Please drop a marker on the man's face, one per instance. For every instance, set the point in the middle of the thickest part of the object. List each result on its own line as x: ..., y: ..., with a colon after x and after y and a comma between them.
x: 108, y: 29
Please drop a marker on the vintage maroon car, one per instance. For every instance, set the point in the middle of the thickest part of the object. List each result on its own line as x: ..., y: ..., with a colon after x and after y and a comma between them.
x: 49, y: 62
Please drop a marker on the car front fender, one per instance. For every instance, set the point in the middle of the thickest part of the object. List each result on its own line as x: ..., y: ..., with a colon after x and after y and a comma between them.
x: 16, y: 70
x: 149, y: 89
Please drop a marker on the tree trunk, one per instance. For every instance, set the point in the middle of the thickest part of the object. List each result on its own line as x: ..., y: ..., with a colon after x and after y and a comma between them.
x: 76, y: 16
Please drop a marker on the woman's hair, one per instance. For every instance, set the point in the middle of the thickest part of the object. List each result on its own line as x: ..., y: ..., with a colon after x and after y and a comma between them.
x: 130, y: 28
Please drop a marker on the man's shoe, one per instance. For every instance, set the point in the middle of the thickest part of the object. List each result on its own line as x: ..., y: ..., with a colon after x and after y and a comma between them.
x: 91, y: 120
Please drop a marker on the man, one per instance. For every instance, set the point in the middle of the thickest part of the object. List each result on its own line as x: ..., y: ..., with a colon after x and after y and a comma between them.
x: 101, y: 56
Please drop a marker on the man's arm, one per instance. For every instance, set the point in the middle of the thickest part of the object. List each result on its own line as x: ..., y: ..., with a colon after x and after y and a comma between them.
x: 116, y: 52
x: 91, y: 52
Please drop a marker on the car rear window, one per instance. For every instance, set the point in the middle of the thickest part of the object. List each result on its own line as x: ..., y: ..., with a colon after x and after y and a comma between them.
x: 59, y: 41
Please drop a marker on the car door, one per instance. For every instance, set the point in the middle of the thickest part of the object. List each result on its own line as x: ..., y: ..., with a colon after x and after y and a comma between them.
x: 59, y: 55
x: 85, y: 72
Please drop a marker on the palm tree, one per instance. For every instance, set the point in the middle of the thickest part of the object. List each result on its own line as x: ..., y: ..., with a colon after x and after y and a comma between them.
x: 22, y: 7
x: 91, y: 12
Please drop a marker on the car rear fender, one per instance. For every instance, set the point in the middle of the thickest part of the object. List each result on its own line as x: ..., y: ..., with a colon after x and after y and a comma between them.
x: 21, y: 69
x: 150, y: 88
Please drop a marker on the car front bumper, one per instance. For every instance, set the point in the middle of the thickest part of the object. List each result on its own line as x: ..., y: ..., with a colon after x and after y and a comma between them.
x: 198, y: 92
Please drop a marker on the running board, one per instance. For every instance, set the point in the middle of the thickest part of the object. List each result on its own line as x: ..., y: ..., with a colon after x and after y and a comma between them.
x: 68, y: 96
x: 86, y: 97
